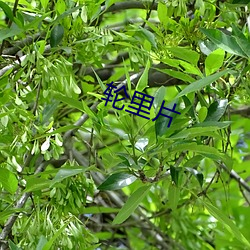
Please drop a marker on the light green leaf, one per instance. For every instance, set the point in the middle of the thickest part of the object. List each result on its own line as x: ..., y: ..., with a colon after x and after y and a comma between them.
x: 132, y: 203
x: 98, y: 210
x: 41, y: 243
x: 34, y: 183
x: 197, y: 85
x: 186, y: 54
x: 66, y: 172
x: 162, y: 12
x: 8, y: 180
x: 49, y: 244
x: 70, y: 101
x: 143, y: 81
x: 214, y: 61
x: 177, y: 74
x: 193, y: 132
x: 228, y: 224
x: 173, y: 196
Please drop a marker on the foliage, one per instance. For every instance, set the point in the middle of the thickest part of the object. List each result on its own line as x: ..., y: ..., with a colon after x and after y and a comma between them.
x: 78, y: 174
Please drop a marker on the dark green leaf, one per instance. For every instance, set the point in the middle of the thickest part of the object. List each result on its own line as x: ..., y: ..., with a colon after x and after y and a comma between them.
x: 216, y: 110
x: 161, y: 124
x: 117, y: 181
x: 174, y: 172
x: 245, y: 2
x: 56, y: 35
x: 7, y: 10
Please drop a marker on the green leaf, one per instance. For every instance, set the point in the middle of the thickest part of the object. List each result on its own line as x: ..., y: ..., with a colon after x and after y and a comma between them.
x: 34, y: 183
x: 159, y: 97
x: 193, y: 132
x: 219, y: 125
x: 216, y: 110
x: 202, y: 114
x: 7, y: 10
x: 117, y: 181
x: 132, y: 203
x: 8, y: 180
x: 245, y: 2
x: 41, y: 243
x: 186, y: 54
x: 143, y: 81
x: 223, y: 41
x: 66, y: 172
x: 147, y: 35
x: 173, y: 196
x: 13, y: 246
x: 98, y: 210
x: 56, y: 35
x: 162, y: 12
x: 214, y: 61
x: 197, y: 85
x: 177, y: 74
x: 49, y: 244
x: 174, y: 172
x: 198, y: 175
x: 9, y: 32
x: 227, y: 223
x: 70, y: 101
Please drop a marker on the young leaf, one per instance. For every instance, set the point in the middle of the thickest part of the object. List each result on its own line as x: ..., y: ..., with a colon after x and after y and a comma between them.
x: 117, y: 181
x: 132, y: 203
x: 8, y: 180
x: 56, y: 35
x: 143, y: 81
x: 214, y: 61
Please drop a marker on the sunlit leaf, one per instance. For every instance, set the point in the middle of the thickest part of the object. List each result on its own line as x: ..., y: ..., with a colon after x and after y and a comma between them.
x: 8, y: 180
x: 117, y: 181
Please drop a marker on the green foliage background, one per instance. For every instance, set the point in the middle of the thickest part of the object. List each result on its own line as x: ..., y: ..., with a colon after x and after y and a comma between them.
x: 76, y: 174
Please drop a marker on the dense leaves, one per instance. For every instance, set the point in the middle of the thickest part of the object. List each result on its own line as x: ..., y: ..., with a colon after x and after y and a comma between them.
x: 161, y: 161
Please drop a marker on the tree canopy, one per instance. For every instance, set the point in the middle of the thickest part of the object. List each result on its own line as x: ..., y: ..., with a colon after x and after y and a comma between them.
x: 124, y: 124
